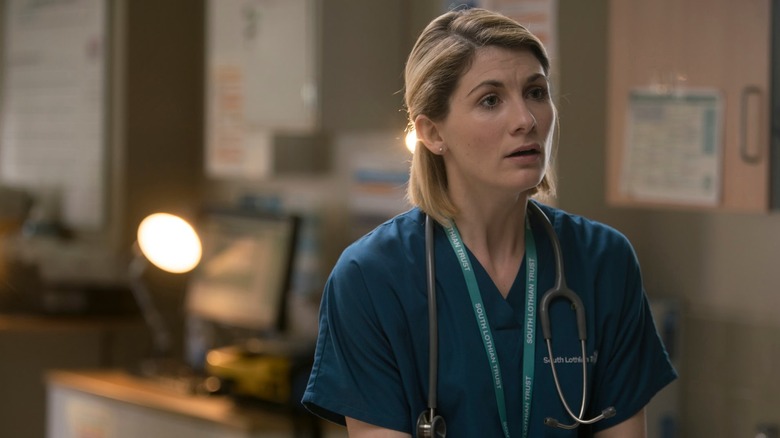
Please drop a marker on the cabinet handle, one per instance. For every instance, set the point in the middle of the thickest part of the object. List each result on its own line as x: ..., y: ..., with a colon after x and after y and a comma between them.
x: 744, y: 152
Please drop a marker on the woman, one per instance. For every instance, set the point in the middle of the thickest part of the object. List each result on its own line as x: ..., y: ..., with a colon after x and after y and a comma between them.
x: 478, y: 96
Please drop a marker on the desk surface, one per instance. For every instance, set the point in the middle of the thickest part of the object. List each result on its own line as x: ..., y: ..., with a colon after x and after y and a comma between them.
x: 31, y: 322
x: 124, y: 387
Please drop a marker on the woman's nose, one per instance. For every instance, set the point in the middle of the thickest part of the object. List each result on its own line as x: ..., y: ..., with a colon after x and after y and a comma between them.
x: 522, y: 118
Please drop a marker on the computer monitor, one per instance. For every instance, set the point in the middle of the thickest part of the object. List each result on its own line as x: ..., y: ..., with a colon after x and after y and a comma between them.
x: 244, y: 276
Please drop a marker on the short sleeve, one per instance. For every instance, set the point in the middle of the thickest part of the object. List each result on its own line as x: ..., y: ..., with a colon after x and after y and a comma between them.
x: 355, y: 373
x: 634, y: 364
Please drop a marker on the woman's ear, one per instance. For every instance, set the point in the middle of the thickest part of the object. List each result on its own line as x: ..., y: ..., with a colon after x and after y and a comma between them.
x: 428, y: 133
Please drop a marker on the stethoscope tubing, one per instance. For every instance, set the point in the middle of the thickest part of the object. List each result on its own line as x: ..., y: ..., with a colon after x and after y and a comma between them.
x: 433, y: 325
x: 429, y: 424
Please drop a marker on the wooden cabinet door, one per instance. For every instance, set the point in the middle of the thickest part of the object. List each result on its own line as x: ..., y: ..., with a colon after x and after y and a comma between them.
x: 715, y: 44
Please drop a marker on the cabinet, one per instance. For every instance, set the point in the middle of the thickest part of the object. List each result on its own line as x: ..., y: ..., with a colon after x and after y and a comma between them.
x: 721, y: 45
x: 114, y: 404
x: 284, y: 75
x: 32, y: 345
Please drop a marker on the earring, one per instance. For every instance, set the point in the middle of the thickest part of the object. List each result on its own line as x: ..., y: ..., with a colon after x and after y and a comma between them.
x: 441, y: 150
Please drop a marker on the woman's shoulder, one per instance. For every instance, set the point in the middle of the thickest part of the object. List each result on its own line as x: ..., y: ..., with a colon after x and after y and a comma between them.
x: 376, y: 268
x: 588, y: 233
x: 392, y: 242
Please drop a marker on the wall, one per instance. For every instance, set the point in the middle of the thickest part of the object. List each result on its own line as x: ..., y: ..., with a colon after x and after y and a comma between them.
x: 157, y: 127
x: 720, y: 266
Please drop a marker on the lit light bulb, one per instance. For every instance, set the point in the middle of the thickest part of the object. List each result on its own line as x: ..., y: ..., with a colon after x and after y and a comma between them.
x: 411, y: 140
x: 169, y: 242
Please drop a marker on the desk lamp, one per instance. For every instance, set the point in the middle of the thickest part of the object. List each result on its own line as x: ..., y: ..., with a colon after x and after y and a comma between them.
x: 171, y: 244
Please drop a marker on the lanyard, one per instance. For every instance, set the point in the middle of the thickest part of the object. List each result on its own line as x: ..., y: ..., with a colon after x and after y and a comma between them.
x: 484, y: 328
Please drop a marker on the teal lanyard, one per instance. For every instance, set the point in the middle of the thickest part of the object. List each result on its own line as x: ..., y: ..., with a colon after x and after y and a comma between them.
x: 487, y: 334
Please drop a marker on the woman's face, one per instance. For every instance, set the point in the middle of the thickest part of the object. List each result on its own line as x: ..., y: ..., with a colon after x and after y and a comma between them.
x: 497, y: 135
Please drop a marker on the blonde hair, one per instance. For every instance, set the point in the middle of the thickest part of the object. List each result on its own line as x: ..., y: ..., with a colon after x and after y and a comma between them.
x: 442, y: 54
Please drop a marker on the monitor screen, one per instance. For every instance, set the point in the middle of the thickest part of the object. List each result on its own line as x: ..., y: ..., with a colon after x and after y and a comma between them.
x: 244, y: 276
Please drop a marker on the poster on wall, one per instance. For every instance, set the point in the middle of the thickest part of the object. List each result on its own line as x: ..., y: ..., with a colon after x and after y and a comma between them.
x: 255, y: 86
x: 377, y: 166
x: 674, y: 147
x: 54, y: 106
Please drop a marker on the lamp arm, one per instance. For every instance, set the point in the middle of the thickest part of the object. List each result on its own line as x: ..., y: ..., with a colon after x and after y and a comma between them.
x: 161, y: 336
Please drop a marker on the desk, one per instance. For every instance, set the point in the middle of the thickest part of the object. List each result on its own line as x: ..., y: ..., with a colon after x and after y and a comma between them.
x: 32, y: 344
x: 115, y: 404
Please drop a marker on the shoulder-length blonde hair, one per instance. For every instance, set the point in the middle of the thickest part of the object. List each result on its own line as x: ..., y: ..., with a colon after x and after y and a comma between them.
x: 441, y: 55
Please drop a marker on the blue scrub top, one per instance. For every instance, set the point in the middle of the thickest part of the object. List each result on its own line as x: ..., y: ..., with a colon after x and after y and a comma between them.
x: 371, y: 360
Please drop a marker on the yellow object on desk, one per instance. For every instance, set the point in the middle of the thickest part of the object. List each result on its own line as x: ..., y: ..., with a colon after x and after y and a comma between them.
x: 258, y: 376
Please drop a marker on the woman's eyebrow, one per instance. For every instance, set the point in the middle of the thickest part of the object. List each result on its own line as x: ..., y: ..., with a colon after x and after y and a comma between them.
x: 493, y: 83
x: 536, y: 77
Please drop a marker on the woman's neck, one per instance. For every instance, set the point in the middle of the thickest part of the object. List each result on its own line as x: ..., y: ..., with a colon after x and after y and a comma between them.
x: 495, y: 235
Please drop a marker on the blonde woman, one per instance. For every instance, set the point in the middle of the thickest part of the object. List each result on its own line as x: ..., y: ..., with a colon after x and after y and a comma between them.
x: 478, y: 96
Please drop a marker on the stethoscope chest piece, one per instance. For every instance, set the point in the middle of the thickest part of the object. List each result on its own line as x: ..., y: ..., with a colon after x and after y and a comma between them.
x: 430, y: 425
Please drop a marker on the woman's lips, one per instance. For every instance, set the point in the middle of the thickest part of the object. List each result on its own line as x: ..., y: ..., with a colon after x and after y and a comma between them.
x: 526, y: 151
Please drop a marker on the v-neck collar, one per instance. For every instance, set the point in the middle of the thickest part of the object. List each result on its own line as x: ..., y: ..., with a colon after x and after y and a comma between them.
x: 504, y: 313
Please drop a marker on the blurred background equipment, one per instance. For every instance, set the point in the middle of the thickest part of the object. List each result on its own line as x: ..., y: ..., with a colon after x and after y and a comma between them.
x: 237, y: 305
x: 171, y: 244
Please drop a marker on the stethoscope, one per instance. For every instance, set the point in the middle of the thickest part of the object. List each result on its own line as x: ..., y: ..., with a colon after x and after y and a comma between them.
x: 429, y: 424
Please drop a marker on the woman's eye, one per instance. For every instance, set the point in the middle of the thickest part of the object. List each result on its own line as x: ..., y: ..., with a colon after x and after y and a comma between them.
x: 538, y: 93
x: 490, y: 101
